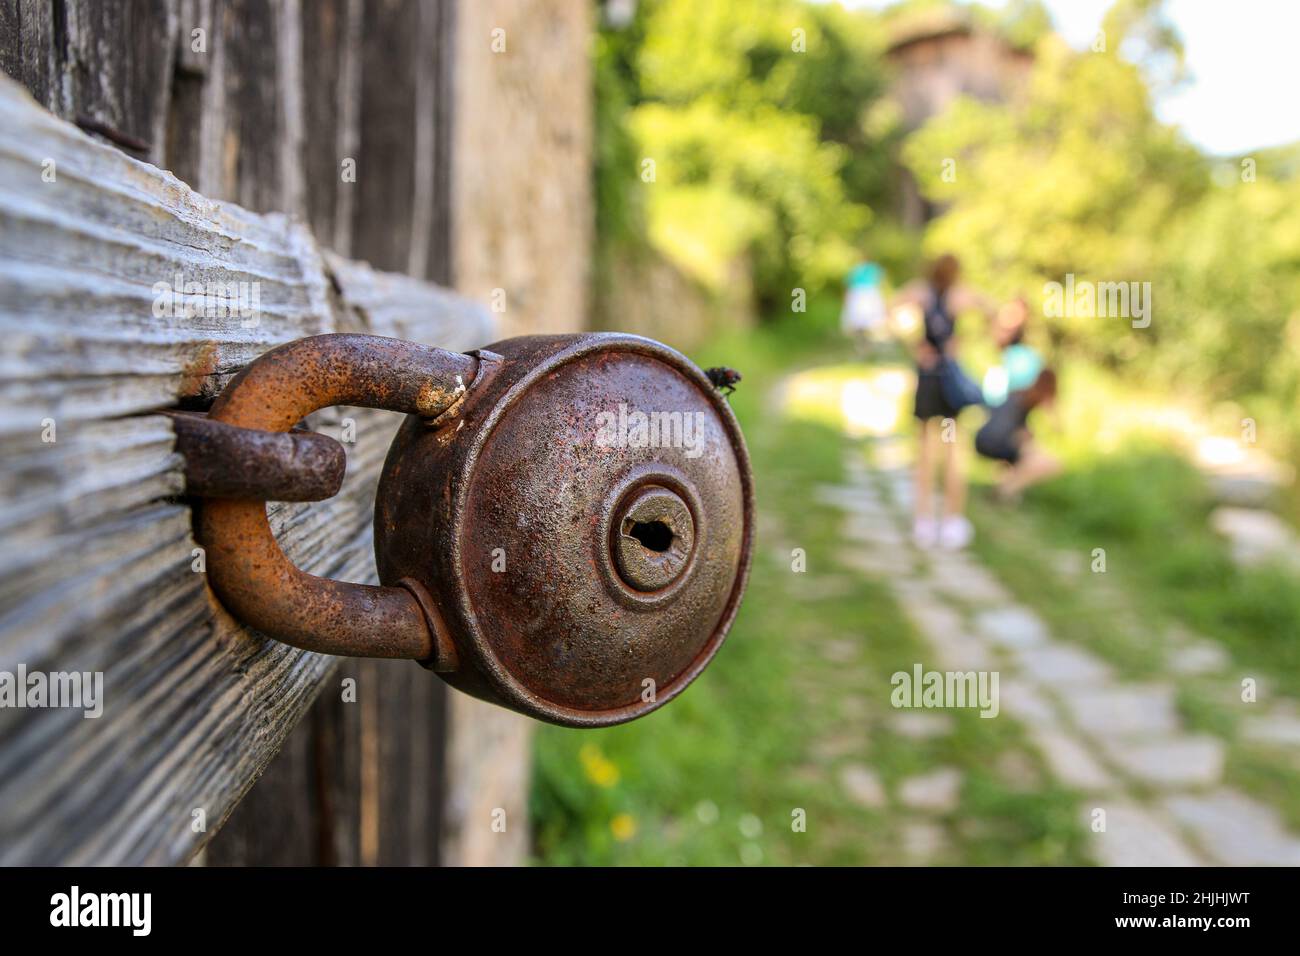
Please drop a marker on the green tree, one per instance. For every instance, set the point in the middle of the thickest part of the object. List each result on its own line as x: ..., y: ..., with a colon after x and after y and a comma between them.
x: 754, y: 115
x: 1079, y: 177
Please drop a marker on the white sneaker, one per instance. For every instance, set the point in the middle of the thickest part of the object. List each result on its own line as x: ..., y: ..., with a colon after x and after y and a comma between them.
x: 925, y: 532
x: 956, y: 532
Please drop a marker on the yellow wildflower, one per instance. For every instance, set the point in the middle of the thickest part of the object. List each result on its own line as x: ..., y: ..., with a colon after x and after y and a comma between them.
x: 623, y: 827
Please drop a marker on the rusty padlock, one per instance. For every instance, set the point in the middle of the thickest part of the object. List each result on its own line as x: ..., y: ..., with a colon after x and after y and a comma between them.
x: 563, y: 525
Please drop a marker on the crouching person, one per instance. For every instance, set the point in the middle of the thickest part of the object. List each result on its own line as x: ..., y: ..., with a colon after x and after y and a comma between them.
x: 1006, y: 437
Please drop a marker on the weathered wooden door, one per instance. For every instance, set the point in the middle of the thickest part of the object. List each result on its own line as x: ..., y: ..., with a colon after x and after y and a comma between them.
x: 336, y: 113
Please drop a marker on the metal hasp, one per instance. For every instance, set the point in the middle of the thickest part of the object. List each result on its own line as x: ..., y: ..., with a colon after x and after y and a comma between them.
x: 226, y: 461
x: 563, y: 526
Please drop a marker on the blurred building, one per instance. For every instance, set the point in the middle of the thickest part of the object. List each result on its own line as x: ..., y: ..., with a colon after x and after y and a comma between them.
x: 939, y: 56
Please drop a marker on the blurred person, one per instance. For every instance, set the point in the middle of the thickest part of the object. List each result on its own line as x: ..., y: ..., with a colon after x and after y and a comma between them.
x: 942, y: 390
x: 863, y: 316
x: 1018, y: 364
x: 1006, y: 437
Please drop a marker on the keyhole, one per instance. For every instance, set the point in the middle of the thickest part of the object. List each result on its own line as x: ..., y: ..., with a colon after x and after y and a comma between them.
x: 653, y: 540
x: 653, y: 535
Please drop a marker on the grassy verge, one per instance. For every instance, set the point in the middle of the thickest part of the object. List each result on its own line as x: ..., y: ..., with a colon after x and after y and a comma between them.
x: 1145, y: 511
x: 700, y: 780
x: 1144, y: 508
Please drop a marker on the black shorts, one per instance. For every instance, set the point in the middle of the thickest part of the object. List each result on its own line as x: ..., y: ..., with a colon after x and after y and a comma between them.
x: 998, y: 444
x: 930, y: 402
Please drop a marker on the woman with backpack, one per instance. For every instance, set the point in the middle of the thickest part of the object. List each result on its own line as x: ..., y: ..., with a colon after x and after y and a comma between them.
x: 942, y: 390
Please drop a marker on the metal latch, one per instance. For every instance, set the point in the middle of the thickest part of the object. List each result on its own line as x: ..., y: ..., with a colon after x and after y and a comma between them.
x: 563, y: 525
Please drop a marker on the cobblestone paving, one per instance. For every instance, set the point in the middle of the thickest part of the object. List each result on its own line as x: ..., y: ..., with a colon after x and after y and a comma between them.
x: 1121, y: 744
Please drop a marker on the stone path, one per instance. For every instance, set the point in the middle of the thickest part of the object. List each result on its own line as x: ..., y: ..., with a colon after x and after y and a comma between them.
x: 1257, y: 537
x: 1158, y: 786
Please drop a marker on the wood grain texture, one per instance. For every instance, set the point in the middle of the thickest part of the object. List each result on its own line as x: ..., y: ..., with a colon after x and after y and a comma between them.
x: 115, y: 63
x: 326, y: 42
x: 383, y: 215
x: 254, y: 121
x: 33, y: 52
x: 11, y: 38
x: 374, y: 786
x: 95, y: 572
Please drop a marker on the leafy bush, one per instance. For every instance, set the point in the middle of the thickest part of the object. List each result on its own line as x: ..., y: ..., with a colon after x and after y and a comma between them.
x: 1081, y: 178
x: 758, y: 117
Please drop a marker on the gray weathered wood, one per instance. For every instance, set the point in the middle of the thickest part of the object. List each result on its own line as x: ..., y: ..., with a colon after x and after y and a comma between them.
x: 325, y: 33
x: 32, y: 51
x: 11, y: 38
x: 372, y: 790
x: 383, y: 214
x: 95, y: 572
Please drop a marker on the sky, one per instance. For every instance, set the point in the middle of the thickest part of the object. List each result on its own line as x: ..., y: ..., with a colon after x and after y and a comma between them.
x: 1242, y: 57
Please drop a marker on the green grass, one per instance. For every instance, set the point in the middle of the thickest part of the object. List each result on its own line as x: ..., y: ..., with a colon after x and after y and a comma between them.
x: 715, y: 777
x: 1148, y: 509
x: 1259, y: 772
x: 726, y: 746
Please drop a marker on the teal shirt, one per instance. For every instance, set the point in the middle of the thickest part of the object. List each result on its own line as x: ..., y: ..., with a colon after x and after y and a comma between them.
x: 864, y: 274
x: 1019, y: 369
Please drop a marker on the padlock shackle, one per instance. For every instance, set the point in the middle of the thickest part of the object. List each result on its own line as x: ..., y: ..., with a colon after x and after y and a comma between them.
x: 246, y: 567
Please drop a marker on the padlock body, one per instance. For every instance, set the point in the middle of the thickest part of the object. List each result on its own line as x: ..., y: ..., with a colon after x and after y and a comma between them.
x: 582, y: 522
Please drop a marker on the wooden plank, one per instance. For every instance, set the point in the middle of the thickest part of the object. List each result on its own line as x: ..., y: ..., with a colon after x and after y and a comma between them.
x: 383, y: 214
x: 194, y: 74
x: 308, y: 776
x: 424, y: 79
x: 96, y: 573
x: 213, y: 152
x: 116, y: 64
x: 11, y: 51
x: 401, y: 742
x: 42, y: 44
x: 325, y: 34
x: 289, y: 101
x: 337, y: 732
x: 280, y: 831
x: 251, y: 166
x: 388, y: 298
x: 442, y: 95
x: 374, y: 788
